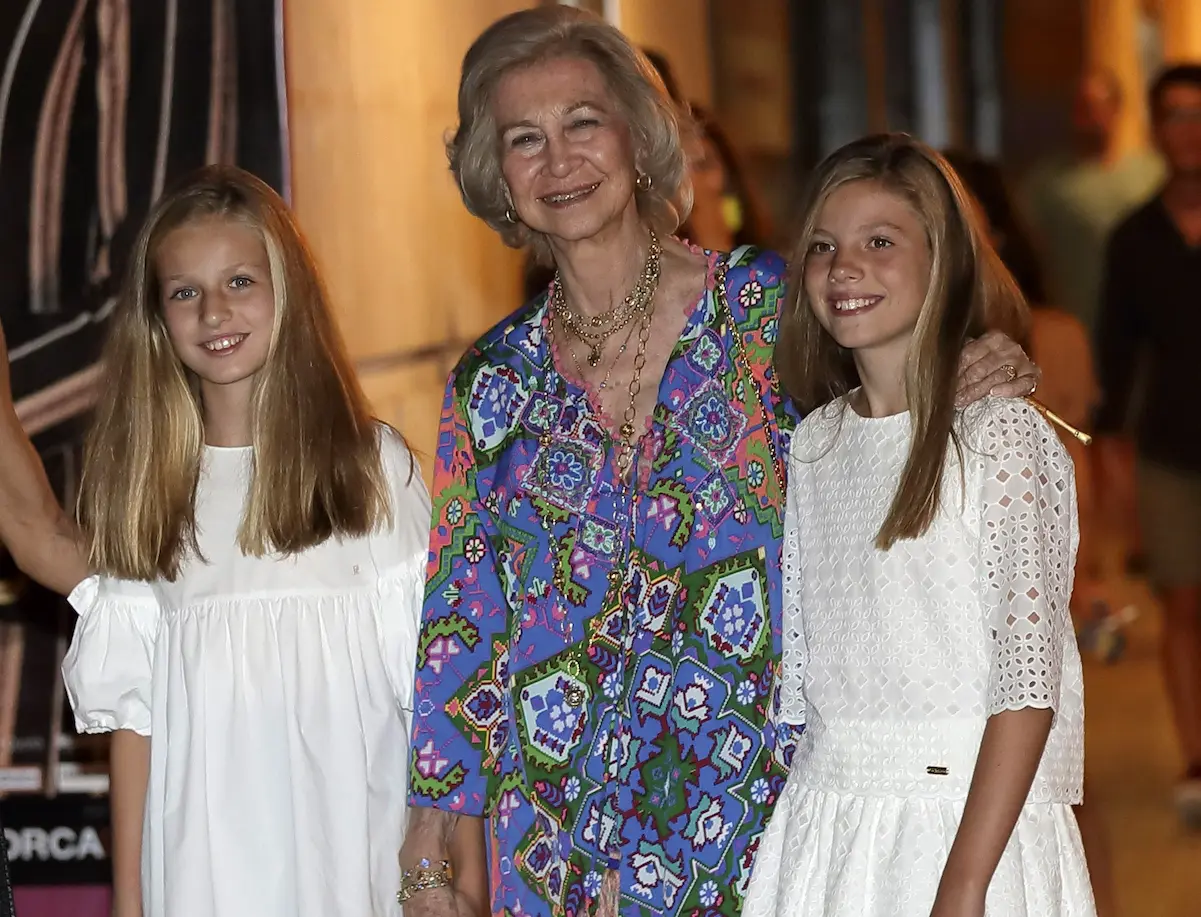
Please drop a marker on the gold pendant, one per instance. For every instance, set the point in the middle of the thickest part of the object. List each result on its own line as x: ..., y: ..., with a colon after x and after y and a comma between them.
x: 574, y: 696
x: 594, y: 357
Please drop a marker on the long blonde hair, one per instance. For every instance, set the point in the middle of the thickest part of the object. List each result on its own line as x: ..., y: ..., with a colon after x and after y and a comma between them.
x: 970, y: 291
x: 317, y: 465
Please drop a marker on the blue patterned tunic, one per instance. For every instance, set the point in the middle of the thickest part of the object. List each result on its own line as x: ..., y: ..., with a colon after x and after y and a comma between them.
x: 620, y: 722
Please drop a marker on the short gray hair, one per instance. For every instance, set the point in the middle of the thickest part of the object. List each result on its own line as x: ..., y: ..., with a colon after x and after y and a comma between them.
x: 543, y: 33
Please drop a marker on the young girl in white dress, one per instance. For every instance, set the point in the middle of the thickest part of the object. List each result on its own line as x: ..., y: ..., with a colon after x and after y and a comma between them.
x: 928, y: 559
x: 259, y: 546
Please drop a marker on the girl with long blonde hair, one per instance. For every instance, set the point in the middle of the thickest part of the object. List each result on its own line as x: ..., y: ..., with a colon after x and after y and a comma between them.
x: 248, y: 572
x: 928, y: 556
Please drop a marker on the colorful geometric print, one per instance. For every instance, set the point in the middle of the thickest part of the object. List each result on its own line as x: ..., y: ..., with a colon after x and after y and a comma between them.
x: 622, y: 721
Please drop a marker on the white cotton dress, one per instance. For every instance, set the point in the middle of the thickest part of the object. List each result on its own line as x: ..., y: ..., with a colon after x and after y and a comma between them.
x: 895, y: 660
x: 277, y: 695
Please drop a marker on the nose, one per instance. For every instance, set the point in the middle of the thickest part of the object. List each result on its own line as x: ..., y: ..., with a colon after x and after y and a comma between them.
x: 215, y: 310
x: 560, y: 156
x: 844, y: 267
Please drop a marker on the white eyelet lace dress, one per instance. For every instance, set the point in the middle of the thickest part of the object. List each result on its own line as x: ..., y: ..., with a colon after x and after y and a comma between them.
x: 895, y: 660
x: 277, y: 695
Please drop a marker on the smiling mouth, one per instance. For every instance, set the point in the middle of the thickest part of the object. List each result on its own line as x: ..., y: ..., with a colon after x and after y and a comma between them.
x: 853, y: 306
x: 566, y: 198
x: 224, y: 344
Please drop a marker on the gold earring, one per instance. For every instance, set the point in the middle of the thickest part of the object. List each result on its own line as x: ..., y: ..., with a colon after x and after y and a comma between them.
x: 643, y: 182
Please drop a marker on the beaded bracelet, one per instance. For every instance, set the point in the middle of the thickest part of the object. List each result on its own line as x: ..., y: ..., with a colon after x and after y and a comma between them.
x: 424, y: 877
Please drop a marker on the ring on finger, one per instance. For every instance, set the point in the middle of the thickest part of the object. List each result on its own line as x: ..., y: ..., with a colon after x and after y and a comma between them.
x: 1011, y: 372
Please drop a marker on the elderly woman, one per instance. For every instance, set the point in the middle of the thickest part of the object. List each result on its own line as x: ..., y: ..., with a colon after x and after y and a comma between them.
x: 601, y: 631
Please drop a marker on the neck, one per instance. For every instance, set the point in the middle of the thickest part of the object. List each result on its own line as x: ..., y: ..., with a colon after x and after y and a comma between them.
x: 599, y: 272
x: 882, y: 375
x: 1183, y: 191
x: 227, y: 414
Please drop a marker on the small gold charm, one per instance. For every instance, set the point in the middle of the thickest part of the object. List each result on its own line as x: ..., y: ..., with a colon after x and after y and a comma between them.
x: 594, y: 357
x: 614, y: 577
x: 574, y: 696
x: 545, y: 439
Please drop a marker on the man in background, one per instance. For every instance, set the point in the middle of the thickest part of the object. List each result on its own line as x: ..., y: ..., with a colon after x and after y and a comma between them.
x: 1076, y: 203
x: 1150, y: 310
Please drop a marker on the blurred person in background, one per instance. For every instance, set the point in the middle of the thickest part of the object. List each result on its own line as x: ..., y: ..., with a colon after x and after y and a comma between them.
x: 1149, y: 309
x: 1059, y: 343
x: 726, y: 208
x: 1074, y: 203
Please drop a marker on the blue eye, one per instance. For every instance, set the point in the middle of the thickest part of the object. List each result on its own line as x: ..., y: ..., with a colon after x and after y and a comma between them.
x: 183, y: 293
x: 241, y: 282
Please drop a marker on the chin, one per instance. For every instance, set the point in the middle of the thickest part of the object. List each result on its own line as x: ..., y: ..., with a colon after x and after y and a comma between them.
x: 577, y: 227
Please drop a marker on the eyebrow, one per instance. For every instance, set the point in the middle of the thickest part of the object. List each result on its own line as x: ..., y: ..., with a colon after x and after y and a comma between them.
x: 867, y: 227
x: 239, y: 266
x: 570, y: 110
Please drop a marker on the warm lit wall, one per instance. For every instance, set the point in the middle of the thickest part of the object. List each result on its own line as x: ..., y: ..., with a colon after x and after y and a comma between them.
x: 1181, y: 28
x: 680, y: 30
x: 371, y: 91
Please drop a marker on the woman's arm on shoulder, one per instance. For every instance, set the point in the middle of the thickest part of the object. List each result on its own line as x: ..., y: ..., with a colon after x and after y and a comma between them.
x: 42, y: 539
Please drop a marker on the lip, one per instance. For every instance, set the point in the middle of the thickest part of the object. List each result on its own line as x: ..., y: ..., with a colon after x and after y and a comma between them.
x: 569, y: 196
x: 846, y: 306
x: 225, y: 344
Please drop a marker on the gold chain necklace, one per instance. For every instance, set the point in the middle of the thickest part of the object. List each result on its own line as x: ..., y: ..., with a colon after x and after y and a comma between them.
x: 596, y: 330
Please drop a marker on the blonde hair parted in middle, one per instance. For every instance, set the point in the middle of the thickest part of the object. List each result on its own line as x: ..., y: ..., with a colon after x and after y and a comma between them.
x: 543, y: 33
x: 970, y: 291
x: 317, y: 465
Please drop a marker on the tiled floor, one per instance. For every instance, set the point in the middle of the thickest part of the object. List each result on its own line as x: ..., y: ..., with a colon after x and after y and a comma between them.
x: 1132, y: 760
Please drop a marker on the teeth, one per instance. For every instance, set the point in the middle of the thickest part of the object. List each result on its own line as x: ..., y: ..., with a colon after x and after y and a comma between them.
x: 224, y: 343
x: 570, y: 196
x: 849, y: 305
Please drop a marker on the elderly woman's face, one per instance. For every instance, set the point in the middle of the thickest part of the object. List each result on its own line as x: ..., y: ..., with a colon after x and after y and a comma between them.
x: 565, y: 148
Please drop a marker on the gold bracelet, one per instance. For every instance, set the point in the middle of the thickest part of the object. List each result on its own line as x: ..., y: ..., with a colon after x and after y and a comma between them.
x: 424, y: 877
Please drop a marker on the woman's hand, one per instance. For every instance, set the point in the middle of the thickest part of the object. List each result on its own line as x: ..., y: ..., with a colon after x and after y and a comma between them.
x: 6, y: 386
x: 995, y: 365
x: 124, y: 907
x: 434, y: 836
x: 958, y: 899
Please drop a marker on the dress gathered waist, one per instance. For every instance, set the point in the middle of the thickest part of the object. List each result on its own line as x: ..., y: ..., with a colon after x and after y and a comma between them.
x: 932, y: 758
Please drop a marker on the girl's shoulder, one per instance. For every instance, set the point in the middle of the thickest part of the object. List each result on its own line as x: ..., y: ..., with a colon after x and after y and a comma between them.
x: 1011, y: 431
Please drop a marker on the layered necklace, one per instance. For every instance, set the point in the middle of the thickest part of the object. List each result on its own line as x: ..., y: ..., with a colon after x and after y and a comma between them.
x: 595, y: 331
